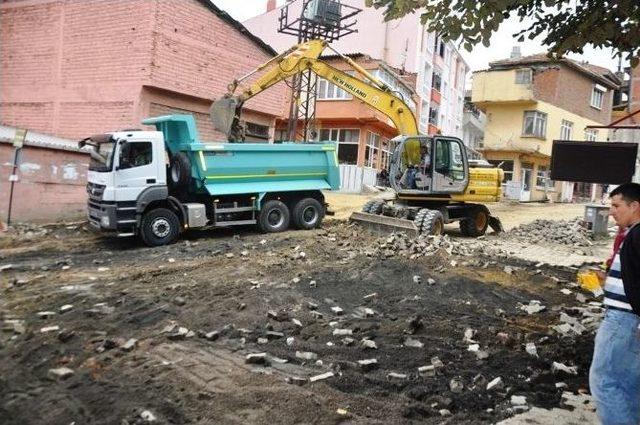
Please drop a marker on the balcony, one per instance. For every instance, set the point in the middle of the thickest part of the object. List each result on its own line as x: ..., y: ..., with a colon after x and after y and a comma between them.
x: 500, y: 87
x: 436, y: 97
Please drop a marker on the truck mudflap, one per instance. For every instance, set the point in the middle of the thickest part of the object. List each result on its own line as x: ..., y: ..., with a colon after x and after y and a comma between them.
x: 383, y: 224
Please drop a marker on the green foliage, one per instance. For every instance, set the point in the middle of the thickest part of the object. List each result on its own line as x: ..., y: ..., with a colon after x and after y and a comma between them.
x: 565, y: 26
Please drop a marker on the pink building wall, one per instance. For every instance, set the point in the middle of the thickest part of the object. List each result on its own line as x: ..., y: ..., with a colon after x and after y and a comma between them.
x: 396, y: 43
x: 73, y: 68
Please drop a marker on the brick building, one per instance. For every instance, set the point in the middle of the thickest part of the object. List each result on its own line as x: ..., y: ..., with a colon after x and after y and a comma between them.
x: 531, y: 101
x: 74, y: 68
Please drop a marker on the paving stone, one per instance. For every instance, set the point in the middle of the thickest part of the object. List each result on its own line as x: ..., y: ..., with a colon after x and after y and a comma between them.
x: 130, y: 344
x: 296, y: 380
x: 518, y: 400
x: 367, y: 343
x: 50, y: 329
x: 337, y: 310
x: 65, y: 308
x: 398, y: 376
x: 456, y: 385
x: 495, y: 384
x: 429, y: 370
x: 342, y: 332
x: 413, y: 343
x: 560, y: 367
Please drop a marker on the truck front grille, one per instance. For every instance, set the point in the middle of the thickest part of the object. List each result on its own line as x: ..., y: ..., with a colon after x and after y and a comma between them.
x: 95, y: 191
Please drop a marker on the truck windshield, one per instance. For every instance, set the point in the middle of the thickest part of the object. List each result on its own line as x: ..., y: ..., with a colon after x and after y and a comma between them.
x: 101, y: 156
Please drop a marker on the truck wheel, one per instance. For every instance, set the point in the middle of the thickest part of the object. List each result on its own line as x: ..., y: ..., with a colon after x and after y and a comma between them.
x: 274, y: 217
x: 476, y: 224
x: 159, y: 227
x: 432, y: 223
x: 307, y: 214
x: 180, y: 171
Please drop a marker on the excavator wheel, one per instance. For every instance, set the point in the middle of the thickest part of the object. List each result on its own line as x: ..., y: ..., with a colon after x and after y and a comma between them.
x: 432, y: 222
x: 373, y: 207
x: 477, y: 223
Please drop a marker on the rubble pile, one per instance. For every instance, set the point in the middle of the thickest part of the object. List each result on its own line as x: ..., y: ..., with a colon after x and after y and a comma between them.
x: 565, y: 232
x: 422, y: 246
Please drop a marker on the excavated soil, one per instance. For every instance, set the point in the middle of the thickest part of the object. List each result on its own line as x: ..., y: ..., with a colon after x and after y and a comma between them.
x: 249, y: 288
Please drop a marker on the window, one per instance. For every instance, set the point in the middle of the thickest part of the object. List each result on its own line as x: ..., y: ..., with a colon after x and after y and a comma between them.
x: 591, y: 135
x: 523, y: 76
x: 329, y: 91
x: 436, y: 82
x: 424, y: 113
x: 385, y: 153
x: 372, y: 150
x: 347, y: 143
x: 135, y: 154
x: 394, y: 83
x: 507, y: 167
x: 566, y: 128
x: 449, y: 159
x: 597, y: 95
x: 542, y: 176
x: 535, y: 124
x: 433, y: 115
x: 257, y: 132
x: 426, y: 79
x: 280, y: 135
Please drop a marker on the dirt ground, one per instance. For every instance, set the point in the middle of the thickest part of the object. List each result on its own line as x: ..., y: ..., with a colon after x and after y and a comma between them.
x: 314, y: 302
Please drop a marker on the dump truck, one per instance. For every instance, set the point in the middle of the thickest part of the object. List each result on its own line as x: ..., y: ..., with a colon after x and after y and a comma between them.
x: 451, y: 187
x: 157, y: 184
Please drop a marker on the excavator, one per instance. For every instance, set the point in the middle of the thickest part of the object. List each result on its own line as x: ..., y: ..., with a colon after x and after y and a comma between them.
x: 434, y: 180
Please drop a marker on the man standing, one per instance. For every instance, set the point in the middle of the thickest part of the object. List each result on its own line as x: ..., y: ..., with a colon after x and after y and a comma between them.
x: 615, y: 369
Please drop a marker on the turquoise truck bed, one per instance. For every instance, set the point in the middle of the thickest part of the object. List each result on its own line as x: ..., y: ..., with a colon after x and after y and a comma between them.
x: 241, y: 168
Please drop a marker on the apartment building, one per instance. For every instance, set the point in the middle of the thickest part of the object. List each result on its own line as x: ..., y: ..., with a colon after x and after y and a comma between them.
x: 531, y: 101
x: 402, y: 44
x: 362, y: 133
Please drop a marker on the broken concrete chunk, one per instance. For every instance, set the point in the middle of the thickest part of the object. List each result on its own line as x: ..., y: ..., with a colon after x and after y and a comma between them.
x: 306, y: 355
x: 274, y: 335
x: 436, y: 362
x: 367, y: 343
x: 533, y: 307
x: 348, y: 341
x: 212, y: 336
x: 279, y: 316
x: 518, y: 400
x: 342, y: 332
x: 65, y: 308
x: 60, y: 373
x: 368, y: 364
x: 456, y: 385
x: 147, y: 416
x: 560, y: 367
x: 256, y: 358
x: 49, y: 329
x: 417, y: 279
x: 130, y: 344
x: 495, y: 384
x: 431, y: 281
x: 429, y: 370
x: 45, y: 314
x: 531, y: 349
x: 262, y: 341
x: 290, y: 340
x: 468, y: 335
x: 322, y: 376
x: 413, y: 343
x: 394, y: 375
x: 296, y: 380
x: 337, y: 310
x: 444, y: 412
x: 369, y: 296
x: 297, y: 322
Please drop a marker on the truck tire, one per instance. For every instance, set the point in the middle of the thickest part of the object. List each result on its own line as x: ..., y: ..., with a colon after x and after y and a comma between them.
x: 477, y: 223
x: 373, y: 207
x: 180, y: 171
x: 307, y: 214
x: 432, y: 223
x: 159, y: 226
x: 419, y: 218
x: 274, y: 217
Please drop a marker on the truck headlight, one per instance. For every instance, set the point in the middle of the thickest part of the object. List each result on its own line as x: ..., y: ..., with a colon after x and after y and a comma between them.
x: 104, y: 221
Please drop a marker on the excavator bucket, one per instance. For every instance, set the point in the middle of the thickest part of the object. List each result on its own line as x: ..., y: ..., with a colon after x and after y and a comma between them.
x: 382, y: 224
x: 223, y: 113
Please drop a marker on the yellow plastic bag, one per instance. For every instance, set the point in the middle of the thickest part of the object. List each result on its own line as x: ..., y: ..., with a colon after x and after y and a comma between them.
x: 589, y: 279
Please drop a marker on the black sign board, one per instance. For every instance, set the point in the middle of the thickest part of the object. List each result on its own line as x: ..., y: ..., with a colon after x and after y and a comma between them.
x: 593, y: 162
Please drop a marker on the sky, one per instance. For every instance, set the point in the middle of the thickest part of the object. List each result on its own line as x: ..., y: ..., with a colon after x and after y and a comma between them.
x: 500, y: 46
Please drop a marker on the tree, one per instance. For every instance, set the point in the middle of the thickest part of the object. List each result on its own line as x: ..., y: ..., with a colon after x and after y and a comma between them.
x: 566, y: 26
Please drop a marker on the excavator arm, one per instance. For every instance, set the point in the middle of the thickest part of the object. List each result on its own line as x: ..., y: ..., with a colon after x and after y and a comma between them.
x: 225, y: 112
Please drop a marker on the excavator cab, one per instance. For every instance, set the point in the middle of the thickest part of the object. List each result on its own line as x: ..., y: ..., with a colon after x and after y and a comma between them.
x: 428, y: 165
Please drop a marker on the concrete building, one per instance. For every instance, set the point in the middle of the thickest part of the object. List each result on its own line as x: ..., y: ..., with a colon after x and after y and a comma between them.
x: 404, y: 45
x: 75, y: 68
x: 529, y: 102
x: 627, y: 104
x: 474, y: 122
x: 362, y: 133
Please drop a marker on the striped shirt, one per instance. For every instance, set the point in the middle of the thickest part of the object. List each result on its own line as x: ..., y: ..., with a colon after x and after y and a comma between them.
x: 614, y: 295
